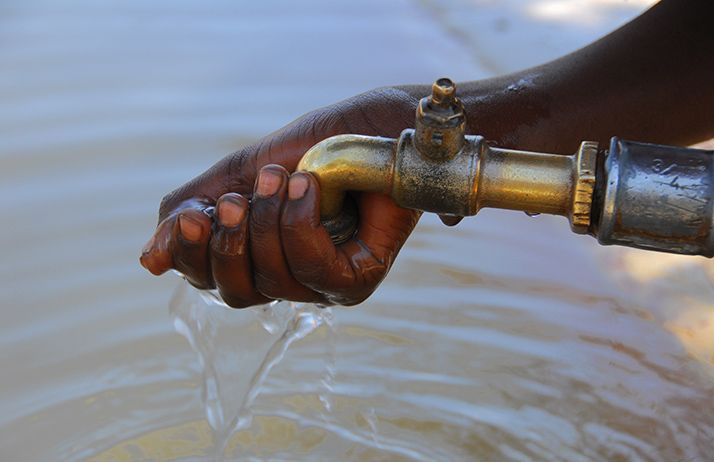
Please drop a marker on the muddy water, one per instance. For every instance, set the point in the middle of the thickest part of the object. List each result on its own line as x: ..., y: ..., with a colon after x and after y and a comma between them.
x: 507, y: 338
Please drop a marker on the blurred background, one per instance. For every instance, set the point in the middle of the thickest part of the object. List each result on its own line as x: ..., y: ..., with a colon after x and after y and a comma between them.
x: 505, y: 338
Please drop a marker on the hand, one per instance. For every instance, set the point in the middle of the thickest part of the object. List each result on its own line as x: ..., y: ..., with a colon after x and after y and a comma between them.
x: 251, y: 229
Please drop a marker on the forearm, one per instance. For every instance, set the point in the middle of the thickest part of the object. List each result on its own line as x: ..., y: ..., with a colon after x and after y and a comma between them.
x: 651, y: 80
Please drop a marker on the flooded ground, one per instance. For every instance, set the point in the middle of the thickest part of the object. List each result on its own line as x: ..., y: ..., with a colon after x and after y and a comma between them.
x: 506, y: 338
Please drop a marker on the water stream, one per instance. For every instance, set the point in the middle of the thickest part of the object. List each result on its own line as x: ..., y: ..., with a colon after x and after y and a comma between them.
x: 448, y: 382
x: 504, y: 339
x: 201, y: 316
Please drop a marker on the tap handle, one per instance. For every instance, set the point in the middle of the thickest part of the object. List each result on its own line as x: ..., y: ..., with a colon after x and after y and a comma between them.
x: 440, y: 122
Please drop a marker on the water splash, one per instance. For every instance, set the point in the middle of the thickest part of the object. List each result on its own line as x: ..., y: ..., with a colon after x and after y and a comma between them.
x: 204, y: 320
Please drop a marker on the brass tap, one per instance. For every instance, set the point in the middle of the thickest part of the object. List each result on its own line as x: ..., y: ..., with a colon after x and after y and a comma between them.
x: 435, y: 167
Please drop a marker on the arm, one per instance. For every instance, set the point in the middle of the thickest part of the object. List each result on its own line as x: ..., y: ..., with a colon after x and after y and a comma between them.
x: 650, y: 80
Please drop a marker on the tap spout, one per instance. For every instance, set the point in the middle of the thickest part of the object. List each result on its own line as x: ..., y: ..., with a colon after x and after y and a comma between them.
x: 348, y: 163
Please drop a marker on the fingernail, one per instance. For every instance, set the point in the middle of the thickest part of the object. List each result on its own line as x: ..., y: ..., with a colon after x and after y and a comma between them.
x: 190, y: 228
x: 297, y: 186
x: 230, y: 213
x: 268, y: 183
x: 148, y: 246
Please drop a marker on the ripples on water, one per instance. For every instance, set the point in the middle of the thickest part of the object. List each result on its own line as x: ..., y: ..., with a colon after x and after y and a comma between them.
x: 499, y: 369
x: 451, y: 363
x: 229, y: 392
x: 506, y: 338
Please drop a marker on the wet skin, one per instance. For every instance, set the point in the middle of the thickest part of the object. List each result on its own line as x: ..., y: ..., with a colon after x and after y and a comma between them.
x: 249, y: 226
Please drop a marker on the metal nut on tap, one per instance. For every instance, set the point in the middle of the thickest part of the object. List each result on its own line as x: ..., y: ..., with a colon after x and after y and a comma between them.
x: 440, y: 122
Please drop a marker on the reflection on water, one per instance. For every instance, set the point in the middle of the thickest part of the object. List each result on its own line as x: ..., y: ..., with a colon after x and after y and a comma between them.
x: 506, y: 338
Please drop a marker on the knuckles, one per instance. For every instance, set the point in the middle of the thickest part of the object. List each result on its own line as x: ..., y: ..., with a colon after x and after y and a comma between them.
x: 240, y: 171
x: 167, y: 203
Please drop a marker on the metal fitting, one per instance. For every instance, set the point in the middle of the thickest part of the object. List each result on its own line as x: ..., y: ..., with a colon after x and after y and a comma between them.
x: 657, y: 198
x: 440, y: 122
x: 435, y: 168
x: 647, y: 196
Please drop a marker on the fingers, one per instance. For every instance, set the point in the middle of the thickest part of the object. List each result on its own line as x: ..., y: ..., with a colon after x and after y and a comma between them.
x: 235, y: 172
x: 156, y: 256
x: 308, y: 246
x: 189, y: 247
x: 272, y: 273
x: 230, y: 253
x: 313, y: 259
x: 347, y: 274
x: 180, y: 242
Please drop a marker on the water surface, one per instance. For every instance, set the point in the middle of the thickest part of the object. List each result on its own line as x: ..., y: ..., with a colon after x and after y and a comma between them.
x: 506, y: 338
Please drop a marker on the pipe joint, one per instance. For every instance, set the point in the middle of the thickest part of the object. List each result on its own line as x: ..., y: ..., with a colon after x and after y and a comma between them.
x: 646, y: 196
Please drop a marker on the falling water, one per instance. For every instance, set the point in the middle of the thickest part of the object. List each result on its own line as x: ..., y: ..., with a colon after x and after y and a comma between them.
x: 504, y: 338
x: 201, y: 317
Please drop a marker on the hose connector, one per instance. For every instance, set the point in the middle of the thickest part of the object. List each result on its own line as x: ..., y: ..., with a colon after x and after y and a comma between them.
x: 657, y: 197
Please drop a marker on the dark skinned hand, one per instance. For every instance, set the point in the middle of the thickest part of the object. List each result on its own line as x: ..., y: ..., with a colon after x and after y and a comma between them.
x: 250, y: 226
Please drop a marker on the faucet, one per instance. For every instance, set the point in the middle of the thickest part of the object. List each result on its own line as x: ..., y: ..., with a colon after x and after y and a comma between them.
x: 641, y: 195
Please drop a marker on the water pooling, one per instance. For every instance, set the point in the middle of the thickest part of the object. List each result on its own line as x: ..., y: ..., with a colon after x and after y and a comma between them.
x: 530, y: 370
x: 202, y: 318
x: 506, y: 338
